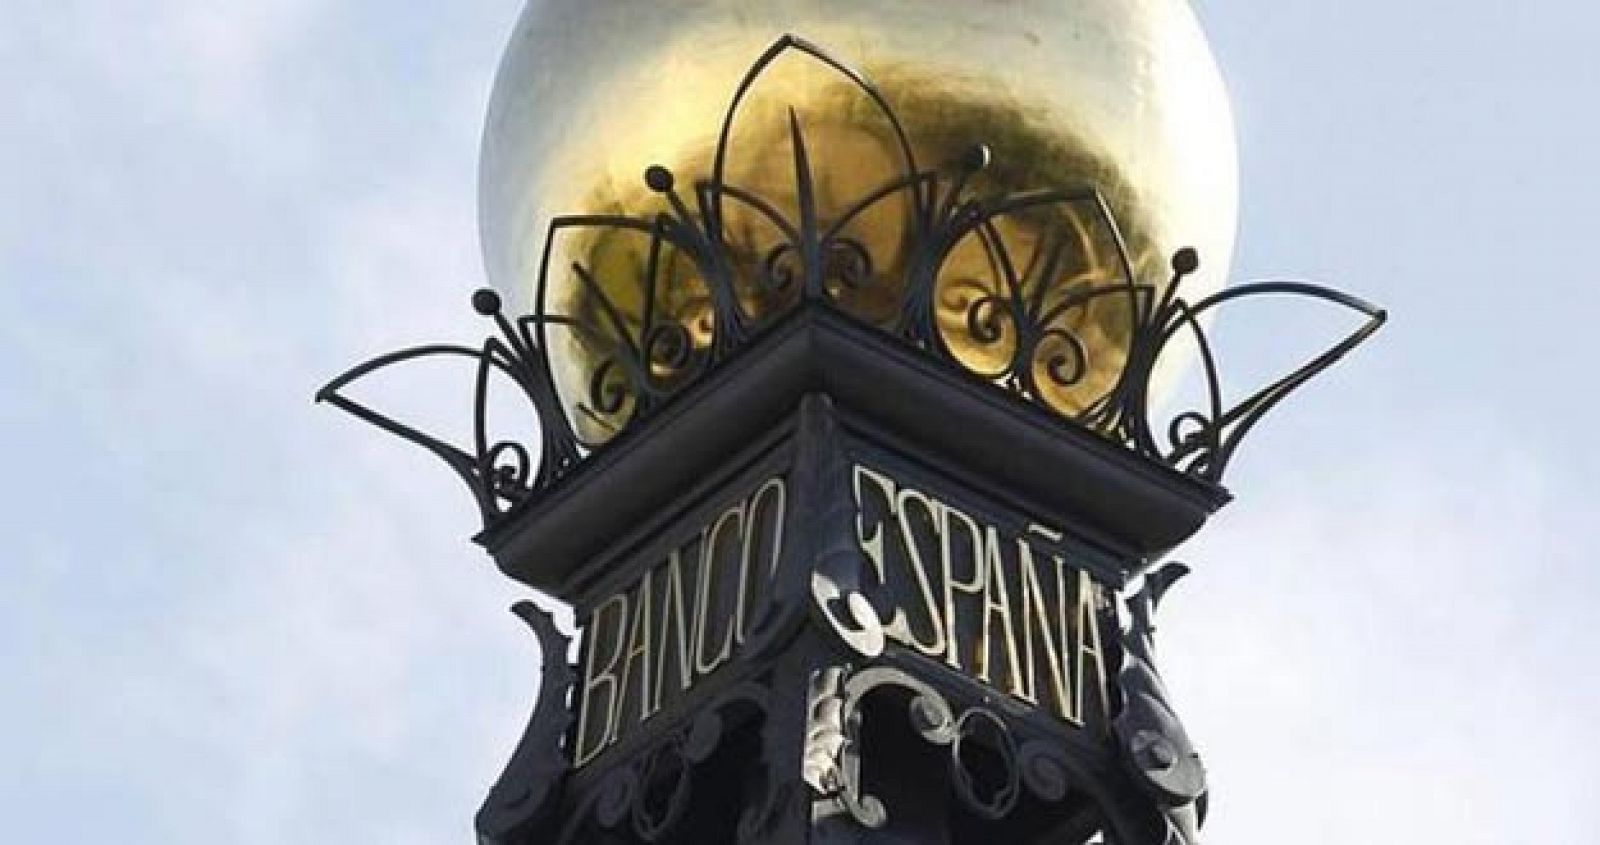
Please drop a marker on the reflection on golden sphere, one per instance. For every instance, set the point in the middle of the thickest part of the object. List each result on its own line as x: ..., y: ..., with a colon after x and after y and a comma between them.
x: 1121, y: 96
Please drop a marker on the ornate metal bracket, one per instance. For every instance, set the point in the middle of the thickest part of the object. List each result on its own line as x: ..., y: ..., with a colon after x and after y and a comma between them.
x: 1026, y: 311
x: 648, y: 796
x: 1014, y: 765
x: 1154, y: 743
x: 525, y: 796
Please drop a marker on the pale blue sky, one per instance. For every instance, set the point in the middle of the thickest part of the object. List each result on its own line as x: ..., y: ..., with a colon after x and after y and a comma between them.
x: 228, y: 616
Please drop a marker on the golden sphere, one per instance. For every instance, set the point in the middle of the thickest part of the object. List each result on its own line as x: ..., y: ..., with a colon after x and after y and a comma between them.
x: 1122, y: 96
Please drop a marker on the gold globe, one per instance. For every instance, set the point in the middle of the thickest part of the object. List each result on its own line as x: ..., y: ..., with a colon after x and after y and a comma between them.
x: 1121, y: 96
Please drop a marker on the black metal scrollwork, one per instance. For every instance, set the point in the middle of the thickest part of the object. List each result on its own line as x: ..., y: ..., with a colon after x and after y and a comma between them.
x: 990, y: 791
x: 649, y: 795
x: 525, y: 796
x: 1018, y: 322
x: 1155, y: 745
x: 500, y: 474
x: 991, y: 766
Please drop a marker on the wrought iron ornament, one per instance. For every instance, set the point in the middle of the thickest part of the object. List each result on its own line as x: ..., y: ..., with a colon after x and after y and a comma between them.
x: 1021, y: 327
x: 526, y: 794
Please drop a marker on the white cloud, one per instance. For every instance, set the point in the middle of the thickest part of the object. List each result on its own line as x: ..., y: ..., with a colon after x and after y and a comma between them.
x: 1362, y: 650
x: 214, y: 60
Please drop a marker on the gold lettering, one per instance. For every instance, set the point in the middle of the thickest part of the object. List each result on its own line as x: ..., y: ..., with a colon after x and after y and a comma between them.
x: 1089, y: 649
x: 961, y: 616
x: 606, y: 677
x: 774, y: 489
x: 701, y: 618
x: 995, y: 586
x: 872, y: 544
x: 1036, y: 626
x: 901, y: 629
x: 952, y: 584
x: 672, y: 612
x: 708, y: 565
x: 638, y: 650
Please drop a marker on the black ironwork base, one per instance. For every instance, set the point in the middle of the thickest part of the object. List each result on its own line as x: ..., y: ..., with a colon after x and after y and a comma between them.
x: 819, y: 732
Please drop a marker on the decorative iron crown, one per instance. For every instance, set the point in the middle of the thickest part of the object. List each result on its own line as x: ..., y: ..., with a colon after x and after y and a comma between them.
x: 1024, y: 313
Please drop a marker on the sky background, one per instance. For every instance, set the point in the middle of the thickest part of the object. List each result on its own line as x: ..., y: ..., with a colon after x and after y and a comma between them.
x: 228, y: 616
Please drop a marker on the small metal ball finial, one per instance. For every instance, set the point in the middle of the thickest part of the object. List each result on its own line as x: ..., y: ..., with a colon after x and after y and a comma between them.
x: 486, y: 302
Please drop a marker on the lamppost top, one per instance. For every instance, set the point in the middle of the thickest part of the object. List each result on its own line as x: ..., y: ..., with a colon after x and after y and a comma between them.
x: 833, y: 333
